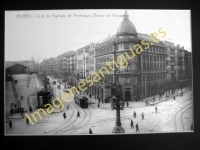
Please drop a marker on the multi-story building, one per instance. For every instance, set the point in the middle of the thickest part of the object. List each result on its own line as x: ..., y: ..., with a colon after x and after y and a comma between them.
x: 64, y: 66
x: 91, y: 64
x: 147, y: 74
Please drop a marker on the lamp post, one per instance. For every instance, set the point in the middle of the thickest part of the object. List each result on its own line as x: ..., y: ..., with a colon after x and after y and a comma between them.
x: 118, y: 106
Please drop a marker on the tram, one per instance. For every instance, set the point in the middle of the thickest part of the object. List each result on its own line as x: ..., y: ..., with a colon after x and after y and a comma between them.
x: 81, y: 100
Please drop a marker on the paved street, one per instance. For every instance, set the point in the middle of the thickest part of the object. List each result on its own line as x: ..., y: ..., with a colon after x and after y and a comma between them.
x: 172, y: 116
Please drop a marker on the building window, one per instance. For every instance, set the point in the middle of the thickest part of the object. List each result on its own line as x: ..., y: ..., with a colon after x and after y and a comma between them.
x: 143, y: 56
x: 116, y: 78
x: 107, y: 59
x: 172, y: 52
x: 125, y: 46
x: 147, y: 58
x: 172, y: 59
x: 127, y: 79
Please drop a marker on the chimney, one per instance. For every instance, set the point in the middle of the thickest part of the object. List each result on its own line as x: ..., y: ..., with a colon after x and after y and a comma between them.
x: 182, y: 47
x: 178, y: 45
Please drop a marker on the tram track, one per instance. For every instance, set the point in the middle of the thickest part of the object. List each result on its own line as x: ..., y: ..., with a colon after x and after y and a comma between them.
x: 179, y: 126
x: 52, y: 131
x: 81, y: 124
x: 76, y: 118
x: 87, y: 117
x: 173, y: 105
x: 182, y: 117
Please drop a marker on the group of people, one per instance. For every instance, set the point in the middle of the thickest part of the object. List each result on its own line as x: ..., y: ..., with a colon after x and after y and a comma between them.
x: 20, y: 109
x: 137, y: 126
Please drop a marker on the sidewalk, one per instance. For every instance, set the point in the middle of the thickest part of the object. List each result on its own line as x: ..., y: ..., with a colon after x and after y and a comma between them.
x: 94, y: 102
x: 172, y: 96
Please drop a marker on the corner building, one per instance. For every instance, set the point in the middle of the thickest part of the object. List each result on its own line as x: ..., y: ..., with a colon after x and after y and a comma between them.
x: 145, y: 74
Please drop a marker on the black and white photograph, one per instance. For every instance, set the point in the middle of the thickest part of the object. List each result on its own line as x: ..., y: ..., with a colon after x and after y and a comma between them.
x: 98, y: 72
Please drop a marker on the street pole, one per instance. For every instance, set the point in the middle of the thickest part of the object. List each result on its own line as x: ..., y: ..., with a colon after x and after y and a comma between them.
x: 118, y: 106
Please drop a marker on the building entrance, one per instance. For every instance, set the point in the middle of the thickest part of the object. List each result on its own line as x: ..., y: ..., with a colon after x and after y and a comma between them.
x: 127, y: 95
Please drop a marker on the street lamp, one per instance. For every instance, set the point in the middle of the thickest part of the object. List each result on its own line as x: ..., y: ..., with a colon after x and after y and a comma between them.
x: 118, y: 106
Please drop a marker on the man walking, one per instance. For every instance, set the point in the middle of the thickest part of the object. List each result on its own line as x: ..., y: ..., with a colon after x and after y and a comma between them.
x: 142, y: 115
x: 27, y: 121
x: 156, y: 109
x: 90, y: 131
x: 30, y: 109
x: 127, y: 104
x: 132, y: 124
x: 78, y: 114
x: 137, y: 128
x: 64, y: 115
x: 134, y: 114
x: 10, y: 124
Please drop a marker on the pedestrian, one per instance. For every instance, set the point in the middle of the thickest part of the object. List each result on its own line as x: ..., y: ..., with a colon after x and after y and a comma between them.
x: 127, y: 104
x: 78, y: 114
x: 137, y: 127
x: 15, y: 106
x: 30, y: 109
x: 27, y: 121
x: 154, y: 98
x: 98, y: 104
x: 134, y: 114
x: 10, y: 124
x: 102, y: 101
x: 21, y: 97
x: 132, y: 124
x: 142, y: 115
x: 64, y: 115
x: 90, y: 131
x: 156, y: 109
x: 99, y: 99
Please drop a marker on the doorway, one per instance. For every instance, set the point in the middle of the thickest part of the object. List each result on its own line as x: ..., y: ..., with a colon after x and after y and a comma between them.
x: 127, y: 95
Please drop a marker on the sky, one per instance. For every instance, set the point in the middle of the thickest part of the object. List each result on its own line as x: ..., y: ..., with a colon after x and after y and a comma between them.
x: 48, y: 33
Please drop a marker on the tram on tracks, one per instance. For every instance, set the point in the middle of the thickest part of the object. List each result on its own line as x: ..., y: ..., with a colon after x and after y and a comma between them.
x: 81, y: 100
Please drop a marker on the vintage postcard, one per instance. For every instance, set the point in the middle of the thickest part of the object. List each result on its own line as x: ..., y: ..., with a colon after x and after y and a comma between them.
x: 98, y: 71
